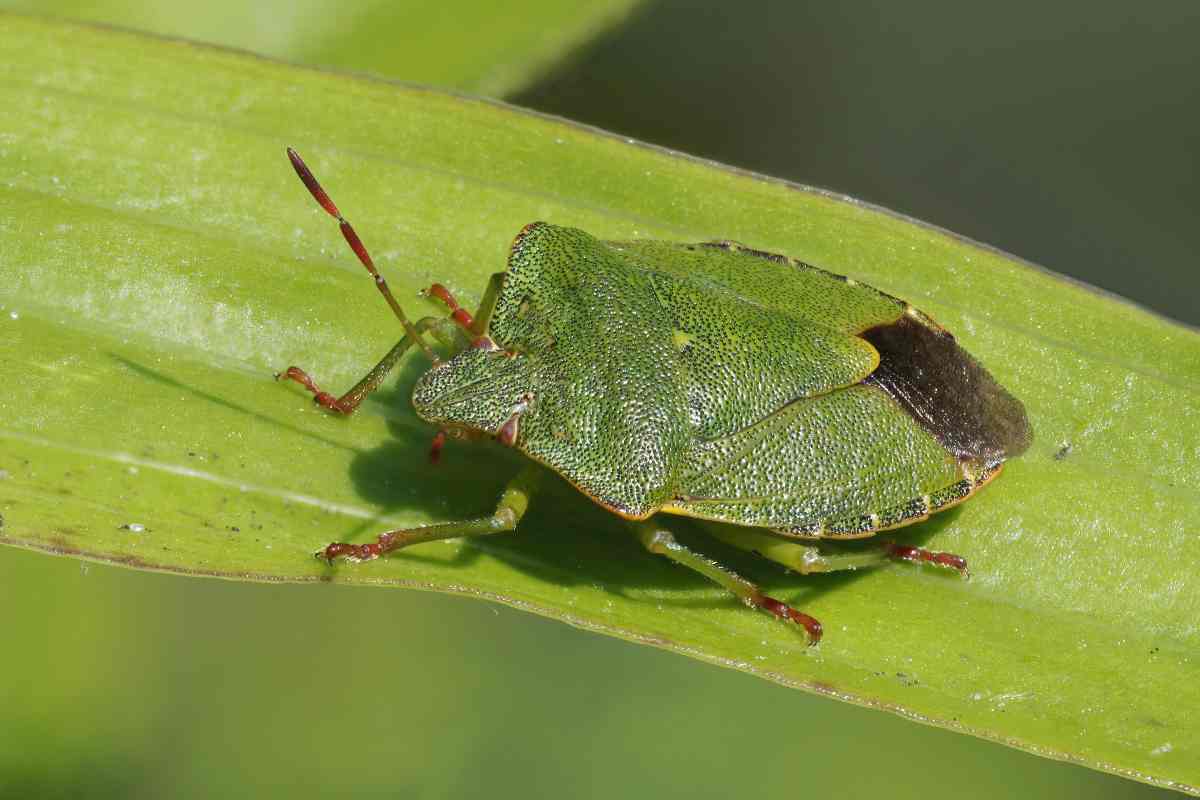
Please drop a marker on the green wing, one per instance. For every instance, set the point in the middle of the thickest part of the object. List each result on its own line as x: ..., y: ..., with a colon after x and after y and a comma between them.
x: 753, y: 331
x: 770, y: 281
x: 919, y: 364
x: 821, y: 466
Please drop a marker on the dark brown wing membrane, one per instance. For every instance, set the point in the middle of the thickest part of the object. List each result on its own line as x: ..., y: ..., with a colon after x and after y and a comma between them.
x: 947, y: 391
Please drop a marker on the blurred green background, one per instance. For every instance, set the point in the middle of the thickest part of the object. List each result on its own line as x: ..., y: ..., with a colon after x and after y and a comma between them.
x: 1066, y: 133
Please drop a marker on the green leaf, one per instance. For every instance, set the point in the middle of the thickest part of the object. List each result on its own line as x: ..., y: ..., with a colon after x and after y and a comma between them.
x: 160, y: 261
x: 471, y: 45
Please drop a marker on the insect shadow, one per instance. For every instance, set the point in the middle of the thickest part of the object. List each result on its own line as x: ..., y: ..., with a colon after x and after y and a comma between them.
x: 151, y: 374
x: 565, y: 538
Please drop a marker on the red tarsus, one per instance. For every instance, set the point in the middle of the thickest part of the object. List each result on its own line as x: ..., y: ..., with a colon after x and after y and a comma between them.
x: 364, y: 552
x: 459, y: 313
x: 321, y: 398
x: 785, y: 612
x: 359, y: 552
x: 906, y: 552
x: 386, y: 543
x: 461, y: 316
x: 435, y: 448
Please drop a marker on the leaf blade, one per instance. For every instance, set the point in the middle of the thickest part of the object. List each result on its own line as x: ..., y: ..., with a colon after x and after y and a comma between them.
x: 162, y: 262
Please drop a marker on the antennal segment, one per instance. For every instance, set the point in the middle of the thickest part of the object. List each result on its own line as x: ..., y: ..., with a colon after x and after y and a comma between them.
x: 319, y: 194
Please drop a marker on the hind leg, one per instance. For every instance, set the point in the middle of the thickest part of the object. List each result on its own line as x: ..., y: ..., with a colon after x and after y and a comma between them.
x: 659, y: 540
x: 827, y: 557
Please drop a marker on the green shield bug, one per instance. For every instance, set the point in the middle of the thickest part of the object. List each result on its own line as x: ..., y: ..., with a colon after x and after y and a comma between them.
x: 780, y: 403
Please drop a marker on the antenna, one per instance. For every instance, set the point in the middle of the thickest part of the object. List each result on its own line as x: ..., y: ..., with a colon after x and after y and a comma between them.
x: 357, y: 246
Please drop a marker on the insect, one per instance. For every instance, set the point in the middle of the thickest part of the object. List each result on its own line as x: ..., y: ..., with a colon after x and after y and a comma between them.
x: 781, y: 404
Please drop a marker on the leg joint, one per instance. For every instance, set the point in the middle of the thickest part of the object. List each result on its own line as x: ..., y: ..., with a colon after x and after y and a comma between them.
x: 660, y: 541
x: 505, y: 519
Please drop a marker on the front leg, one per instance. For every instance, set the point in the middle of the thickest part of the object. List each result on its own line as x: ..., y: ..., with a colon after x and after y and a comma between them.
x: 349, y: 402
x: 512, y: 506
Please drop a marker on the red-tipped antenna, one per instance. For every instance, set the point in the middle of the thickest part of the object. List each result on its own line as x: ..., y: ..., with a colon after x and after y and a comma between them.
x: 357, y: 246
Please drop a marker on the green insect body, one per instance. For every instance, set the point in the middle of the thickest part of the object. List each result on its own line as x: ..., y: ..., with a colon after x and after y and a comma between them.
x: 711, y: 381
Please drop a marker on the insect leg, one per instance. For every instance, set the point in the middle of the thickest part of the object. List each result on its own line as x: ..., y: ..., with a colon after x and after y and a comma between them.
x: 828, y: 557
x: 475, y: 325
x: 347, y: 403
x: 512, y: 506
x: 904, y: 552
x: 322, y: 197
x: 659, y: 540
x: 487, y: 306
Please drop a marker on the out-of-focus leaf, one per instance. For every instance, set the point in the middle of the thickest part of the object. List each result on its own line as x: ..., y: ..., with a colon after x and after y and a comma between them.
x: 470, y: 45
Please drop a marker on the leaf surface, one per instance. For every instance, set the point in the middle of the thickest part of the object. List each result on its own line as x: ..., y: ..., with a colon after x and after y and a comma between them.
x: 160, y: 261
